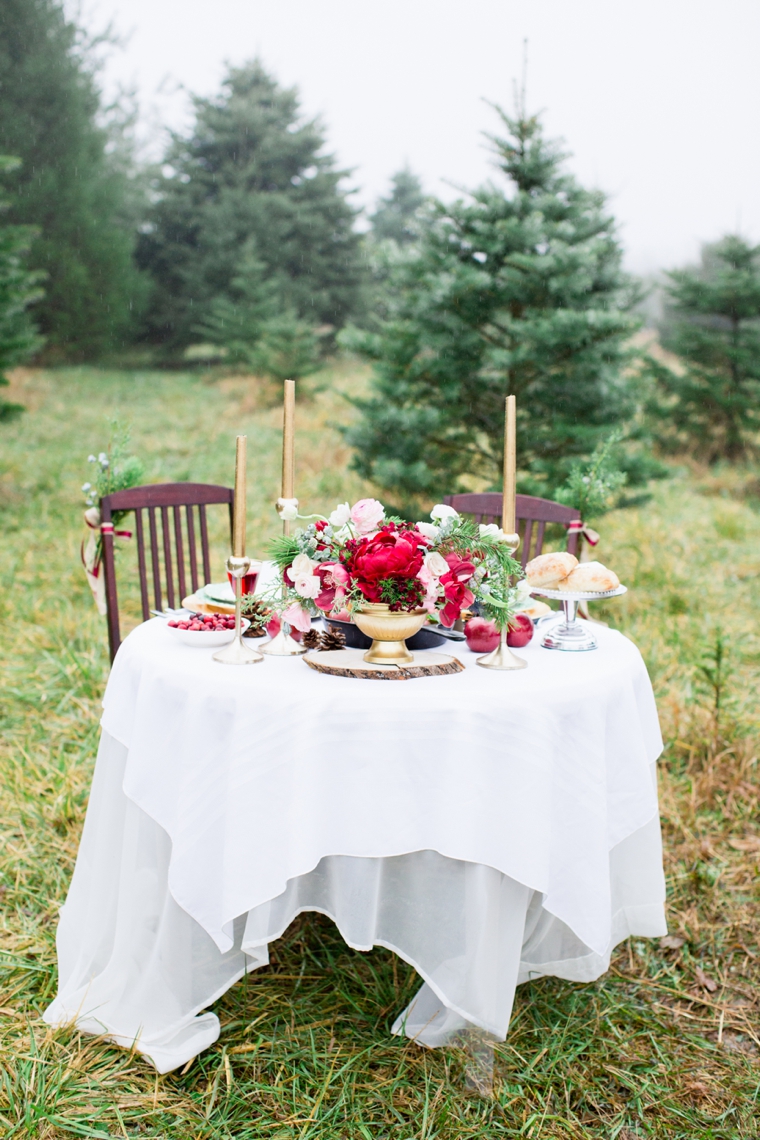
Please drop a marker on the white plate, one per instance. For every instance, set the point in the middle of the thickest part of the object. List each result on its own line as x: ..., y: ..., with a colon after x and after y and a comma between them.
x: 218, y: 592
x: 206, y: 639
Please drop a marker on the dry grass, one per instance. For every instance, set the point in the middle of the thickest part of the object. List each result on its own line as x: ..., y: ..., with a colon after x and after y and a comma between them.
x: 667, y: 1045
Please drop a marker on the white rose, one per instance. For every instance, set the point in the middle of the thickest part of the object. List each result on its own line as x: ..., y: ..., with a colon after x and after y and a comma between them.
x: 442, y: 511
x: 428, y: 530
x: 340, y: 515
x: 287, y: 509
x: 308, y: 586
x: 491, y: 530
x: 301, y: 567
x: 436, y: 564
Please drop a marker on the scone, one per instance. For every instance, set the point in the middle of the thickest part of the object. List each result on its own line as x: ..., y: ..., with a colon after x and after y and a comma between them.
x: 590, y: 577
x: 549, y: 569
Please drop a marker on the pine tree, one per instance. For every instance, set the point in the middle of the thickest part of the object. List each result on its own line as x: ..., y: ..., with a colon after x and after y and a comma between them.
x: 72, y: 185
x: 18, y: 290
x: 711, y: 407
x: 396, y: 217
x: 254, y: 328
x: 250, y: 183
x: 517, y: 290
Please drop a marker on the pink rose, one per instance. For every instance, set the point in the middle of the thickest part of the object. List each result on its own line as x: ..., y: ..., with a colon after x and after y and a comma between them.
x: 297, y: 617
x: 367, y: 516
x: 432, y: 589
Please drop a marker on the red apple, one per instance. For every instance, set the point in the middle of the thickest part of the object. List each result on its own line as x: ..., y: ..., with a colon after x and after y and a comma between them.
x: 273, y: 628
x: 482, y: 636
x: 520, y: 631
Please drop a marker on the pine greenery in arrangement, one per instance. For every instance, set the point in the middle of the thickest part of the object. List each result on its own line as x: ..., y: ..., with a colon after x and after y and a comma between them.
x: 19, y: 289
x: 518, y: 288
x: 251, y: 217
x: 76, y: 184
x: 710, y: 406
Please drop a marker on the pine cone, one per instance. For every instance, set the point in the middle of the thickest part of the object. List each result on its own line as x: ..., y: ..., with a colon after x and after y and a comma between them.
x: 258, y: 615
x: 311, y: 639
x: 332, y: 639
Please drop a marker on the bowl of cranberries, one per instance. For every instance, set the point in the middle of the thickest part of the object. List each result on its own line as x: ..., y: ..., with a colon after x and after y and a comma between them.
x: 205, y: 630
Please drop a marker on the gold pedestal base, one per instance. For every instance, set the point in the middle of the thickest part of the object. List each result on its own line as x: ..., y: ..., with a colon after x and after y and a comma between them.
x: 236, y: 653
x: 282, y: 646
x: 388, y: 653
x: 502, y: 657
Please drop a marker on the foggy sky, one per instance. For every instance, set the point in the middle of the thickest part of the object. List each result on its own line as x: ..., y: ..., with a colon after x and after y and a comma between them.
x: 657, y: 101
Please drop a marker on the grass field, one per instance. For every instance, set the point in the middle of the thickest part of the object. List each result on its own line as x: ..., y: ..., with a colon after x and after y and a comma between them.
x: 666, y: 1045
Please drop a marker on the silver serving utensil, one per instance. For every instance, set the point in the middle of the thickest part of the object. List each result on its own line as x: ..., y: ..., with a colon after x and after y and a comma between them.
x: 449, y: 634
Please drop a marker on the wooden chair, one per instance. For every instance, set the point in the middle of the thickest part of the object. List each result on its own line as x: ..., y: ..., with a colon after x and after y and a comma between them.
x: 486, y: 508
x: 166, y: 500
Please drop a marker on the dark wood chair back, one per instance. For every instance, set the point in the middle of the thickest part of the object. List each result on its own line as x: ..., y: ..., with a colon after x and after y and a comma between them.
x: 532, y: 515
x: 164, y: 504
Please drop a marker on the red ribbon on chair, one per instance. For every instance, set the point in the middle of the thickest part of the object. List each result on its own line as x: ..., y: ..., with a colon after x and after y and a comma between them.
x: 95, y: 561
x: 577, y: 526
x: 108, y: 528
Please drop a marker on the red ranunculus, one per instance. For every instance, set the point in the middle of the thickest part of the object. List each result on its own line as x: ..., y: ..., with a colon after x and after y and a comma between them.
x: 454, y: 583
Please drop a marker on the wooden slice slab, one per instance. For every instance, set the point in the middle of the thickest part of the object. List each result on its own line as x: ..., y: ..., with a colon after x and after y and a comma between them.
x: 351, y: 663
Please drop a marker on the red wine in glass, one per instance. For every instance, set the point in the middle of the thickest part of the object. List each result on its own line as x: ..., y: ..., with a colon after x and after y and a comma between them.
x: 248, y: 581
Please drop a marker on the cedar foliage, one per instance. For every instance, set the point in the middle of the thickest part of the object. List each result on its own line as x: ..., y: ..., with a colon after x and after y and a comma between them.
x: 251, y: 214
x: 73, y: 185
x: 711, y: 406
x: 518, y: 288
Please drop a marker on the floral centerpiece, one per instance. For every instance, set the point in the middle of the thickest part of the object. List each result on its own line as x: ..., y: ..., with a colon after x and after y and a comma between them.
x: 359, y: 560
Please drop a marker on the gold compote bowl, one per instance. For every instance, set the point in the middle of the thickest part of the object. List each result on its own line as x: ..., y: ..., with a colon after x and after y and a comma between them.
x: 389, y: 630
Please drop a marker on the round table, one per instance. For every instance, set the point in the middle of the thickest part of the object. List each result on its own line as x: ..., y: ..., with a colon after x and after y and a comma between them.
x: 488, y: 827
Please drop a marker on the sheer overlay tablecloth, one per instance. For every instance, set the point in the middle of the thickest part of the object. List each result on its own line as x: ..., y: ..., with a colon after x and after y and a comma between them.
x: 488, y: 827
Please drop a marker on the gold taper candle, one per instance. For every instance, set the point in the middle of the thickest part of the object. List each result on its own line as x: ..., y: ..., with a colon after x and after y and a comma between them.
x: 288, y: 444
x: 238, y: 518
x: 510, y: 467
x: 288, y: 440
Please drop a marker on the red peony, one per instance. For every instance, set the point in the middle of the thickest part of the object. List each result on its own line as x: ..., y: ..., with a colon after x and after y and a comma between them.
x: 391, y: 553
x: 454, y: 583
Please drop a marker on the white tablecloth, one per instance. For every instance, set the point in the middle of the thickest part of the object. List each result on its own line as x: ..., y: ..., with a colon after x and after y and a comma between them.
x: 486, y: 826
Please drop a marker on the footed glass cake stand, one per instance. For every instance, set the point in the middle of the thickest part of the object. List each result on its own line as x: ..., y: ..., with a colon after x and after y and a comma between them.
x: 572, y: 635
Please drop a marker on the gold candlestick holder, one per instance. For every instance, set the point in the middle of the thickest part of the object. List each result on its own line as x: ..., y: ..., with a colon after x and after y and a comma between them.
x: 502, y: 656
x: 283, y: 645
x: 236, y: 653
